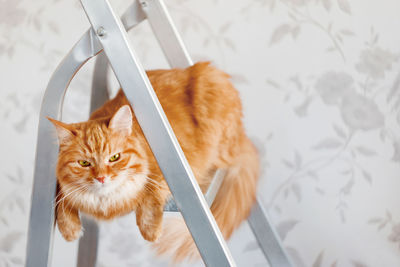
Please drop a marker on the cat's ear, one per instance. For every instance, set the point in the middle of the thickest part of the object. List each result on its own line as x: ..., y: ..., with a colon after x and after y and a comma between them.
x: 122, y: 120
x: 64, y: 131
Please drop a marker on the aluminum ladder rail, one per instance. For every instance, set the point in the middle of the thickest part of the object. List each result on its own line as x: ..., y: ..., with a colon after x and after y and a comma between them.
x: 40, y: 233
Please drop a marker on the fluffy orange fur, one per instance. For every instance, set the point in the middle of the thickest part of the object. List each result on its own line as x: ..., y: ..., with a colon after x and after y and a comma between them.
x: 205, y: 113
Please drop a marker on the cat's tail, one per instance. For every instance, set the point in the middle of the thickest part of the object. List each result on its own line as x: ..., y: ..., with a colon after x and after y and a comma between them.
x: 231, y: 206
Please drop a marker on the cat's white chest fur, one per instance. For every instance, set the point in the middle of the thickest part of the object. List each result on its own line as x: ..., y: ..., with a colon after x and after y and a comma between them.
x: 107, y: 196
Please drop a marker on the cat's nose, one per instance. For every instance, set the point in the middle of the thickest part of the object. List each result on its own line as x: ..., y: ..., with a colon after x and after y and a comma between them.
x: 100, y: 179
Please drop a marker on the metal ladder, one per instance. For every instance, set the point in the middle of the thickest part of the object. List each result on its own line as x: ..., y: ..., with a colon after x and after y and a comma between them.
x: 108, y: 34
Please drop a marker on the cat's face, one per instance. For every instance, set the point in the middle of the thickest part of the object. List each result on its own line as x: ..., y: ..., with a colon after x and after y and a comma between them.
x: 97, y: 160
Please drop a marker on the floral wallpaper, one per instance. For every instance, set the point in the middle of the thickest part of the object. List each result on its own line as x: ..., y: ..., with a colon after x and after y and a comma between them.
x: 319, y: 81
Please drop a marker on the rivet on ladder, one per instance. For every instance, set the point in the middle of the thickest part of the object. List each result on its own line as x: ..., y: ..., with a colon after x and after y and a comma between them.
x: 101, y: 32
x: 143, y: 3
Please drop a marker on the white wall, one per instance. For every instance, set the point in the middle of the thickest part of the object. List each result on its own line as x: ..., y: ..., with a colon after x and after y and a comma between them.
x: 319, y: 80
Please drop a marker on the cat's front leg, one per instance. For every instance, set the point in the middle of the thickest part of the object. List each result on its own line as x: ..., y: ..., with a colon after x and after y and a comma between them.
x: 68, y: 222
x: 149, y: 215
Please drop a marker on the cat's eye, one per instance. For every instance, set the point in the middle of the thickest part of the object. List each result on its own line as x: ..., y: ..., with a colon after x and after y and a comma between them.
x: 114, y: 158
x: 84, y: 163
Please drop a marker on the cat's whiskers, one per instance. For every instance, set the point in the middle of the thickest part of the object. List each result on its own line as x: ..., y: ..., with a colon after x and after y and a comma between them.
x: 61, y: 191
x: 151, y: 180
x: 131, y: 173
x: 155, y: 175
x: 68, y: 194
x: 55, y: 199
x: 62, y: 200
x: 68, y: 191
x: 84, y: 189
x: 75, y: 196
x: 149, y: 188
x: 155, y: 183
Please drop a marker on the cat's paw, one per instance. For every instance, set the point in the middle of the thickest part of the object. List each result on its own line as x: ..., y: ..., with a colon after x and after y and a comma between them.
x: 149, y: 222
x: 70, y: 232
x: 150, y: 232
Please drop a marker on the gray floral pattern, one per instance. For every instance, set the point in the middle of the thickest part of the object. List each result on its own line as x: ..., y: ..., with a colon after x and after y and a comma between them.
x: 374, y: 62
x: 333, y: 87
x: 361, y: 113
x: 320, y: 84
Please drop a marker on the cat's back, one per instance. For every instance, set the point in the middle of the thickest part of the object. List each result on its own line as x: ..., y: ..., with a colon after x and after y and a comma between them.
x: 201, y: 91
x: 197, y: 96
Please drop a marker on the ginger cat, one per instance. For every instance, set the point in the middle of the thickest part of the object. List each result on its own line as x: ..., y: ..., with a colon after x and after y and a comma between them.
x: 106, y: 168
